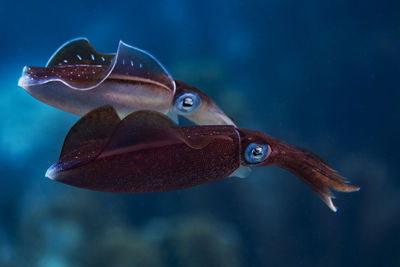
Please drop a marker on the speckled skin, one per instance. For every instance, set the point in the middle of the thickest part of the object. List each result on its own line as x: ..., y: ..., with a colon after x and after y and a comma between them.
x: 161, y: 168
x: 147, y: 152
x: 78, y: 79
x: 124, y: 94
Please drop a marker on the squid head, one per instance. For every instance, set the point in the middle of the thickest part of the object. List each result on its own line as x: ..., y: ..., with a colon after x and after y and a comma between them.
x: 259, y: 149
x: 196, y: 106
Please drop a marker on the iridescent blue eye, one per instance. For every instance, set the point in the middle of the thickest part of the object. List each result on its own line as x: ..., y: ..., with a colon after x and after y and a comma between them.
x: 186, y: 103
x: 256, y: 153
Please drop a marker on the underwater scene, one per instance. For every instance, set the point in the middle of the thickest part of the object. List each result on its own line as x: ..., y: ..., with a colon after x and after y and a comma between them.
x: 199, y: 133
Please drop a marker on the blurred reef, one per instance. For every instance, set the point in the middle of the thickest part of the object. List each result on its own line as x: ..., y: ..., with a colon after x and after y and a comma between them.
x: 74, y: 230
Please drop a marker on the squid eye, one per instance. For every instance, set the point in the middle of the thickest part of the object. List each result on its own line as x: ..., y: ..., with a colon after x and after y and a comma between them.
x: 256, y: 153
x: 186, y: 103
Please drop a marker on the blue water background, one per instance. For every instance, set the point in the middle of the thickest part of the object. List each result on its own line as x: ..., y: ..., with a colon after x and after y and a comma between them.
x: 323, y: 75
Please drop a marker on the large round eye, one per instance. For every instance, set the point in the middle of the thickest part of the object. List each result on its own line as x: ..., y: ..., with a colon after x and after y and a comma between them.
x: 186, y: 103
x: 256, y: 153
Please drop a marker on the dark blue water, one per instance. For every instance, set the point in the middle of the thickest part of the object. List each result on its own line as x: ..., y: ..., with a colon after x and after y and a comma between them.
x: 321, y: 75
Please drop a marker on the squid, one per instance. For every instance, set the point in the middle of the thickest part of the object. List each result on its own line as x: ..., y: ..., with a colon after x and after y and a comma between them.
x: 147, y: 152
x: 77, y: 79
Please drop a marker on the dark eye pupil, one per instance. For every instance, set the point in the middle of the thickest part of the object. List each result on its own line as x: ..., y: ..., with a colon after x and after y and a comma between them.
x: 187, y: 102
x: 257, y: 151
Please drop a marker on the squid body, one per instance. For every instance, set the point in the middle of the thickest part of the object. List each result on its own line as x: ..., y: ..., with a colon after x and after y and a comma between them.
x: 147, y: 152
x: 77, y: 79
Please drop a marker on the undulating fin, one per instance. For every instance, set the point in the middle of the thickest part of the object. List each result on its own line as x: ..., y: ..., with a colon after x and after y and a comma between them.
x: 78, y: 52
x: 148, y: 128
x: 241, y: 172
x: 98, y: 124
x: 140, y: 66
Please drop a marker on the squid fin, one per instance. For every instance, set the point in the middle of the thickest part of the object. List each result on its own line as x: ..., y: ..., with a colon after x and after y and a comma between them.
x: 129, y: 63
x: 173, y: 117
x: 148, y: 128
x: 98, y: 124
x: 141, y: 66
x: 78, y: 52
x: 241, y: 172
